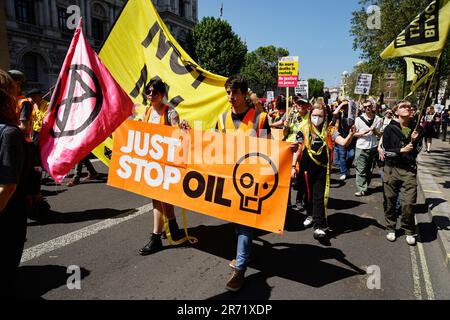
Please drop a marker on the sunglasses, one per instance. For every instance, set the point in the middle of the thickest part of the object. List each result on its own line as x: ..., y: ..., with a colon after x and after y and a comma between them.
x: 151, y: 92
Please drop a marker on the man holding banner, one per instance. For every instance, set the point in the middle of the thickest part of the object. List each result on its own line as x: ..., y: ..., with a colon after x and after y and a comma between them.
x: 242, y: 119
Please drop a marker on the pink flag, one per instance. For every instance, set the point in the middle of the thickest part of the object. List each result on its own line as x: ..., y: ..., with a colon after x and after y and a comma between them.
x: 86, y: 107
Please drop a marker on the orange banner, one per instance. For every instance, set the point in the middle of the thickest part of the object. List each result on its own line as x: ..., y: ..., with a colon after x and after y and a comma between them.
x: 235, y: 178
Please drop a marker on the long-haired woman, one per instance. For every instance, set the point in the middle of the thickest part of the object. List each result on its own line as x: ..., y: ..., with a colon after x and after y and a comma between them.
x: 315, y: 158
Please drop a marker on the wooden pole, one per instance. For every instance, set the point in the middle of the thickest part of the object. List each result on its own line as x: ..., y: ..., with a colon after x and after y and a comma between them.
x: 405, y: 75
x: 287, y: 104
x: 422, y: 108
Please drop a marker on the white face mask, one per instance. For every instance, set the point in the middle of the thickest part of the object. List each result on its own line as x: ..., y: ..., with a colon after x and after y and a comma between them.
x: 317, y: 120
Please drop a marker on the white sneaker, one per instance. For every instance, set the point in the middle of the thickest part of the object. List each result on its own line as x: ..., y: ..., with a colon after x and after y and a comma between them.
x: 391, y: 236
x: 308, y: 222
x: 360, y: 194
x: 411, y: 240
x: 343, y: 177
x: 319, y: 233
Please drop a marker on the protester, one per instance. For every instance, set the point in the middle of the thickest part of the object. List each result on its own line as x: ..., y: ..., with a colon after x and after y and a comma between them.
x: 388, y: 115
x: 276, y: 115
x: 429, y: 128
x: 25, y: 112
x: 256, y: 102
x: 344, y: 155
x: 445, y: 122
x: 437, y: 125
x: 297, y: 119
x: 401, y: 144
x: 15, y: 168
x: 315, y: 158
x: 24, y: 107
x: 40, y: 107
x: 254, y: 123
x: 160, y: 113
x: 368, y: 128
x: 92, y: 173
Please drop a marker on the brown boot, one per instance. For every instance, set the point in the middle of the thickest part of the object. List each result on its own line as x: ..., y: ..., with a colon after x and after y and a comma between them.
x: 236, y: 281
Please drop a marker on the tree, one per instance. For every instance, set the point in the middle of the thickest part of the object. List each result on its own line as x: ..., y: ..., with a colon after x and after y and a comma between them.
x: 315, y: 88
x: 215, y: 47
x: 261, y: 68
x: 396, y: 15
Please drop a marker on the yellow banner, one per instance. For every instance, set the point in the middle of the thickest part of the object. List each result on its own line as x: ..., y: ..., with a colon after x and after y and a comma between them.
x: 232, y: 177
x: 140, y: 48
x: 418, y: 72
x: 425, y: 36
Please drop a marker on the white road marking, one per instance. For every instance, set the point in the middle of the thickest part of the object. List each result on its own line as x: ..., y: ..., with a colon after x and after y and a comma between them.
x: 67, y: 239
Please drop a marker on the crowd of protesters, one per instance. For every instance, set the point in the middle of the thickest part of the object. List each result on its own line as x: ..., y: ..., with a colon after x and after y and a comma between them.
x: 322, y: 134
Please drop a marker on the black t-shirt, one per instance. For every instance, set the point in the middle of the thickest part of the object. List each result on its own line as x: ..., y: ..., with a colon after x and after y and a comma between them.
x: 25, y: 111
x: 316, y: 144
x: 394, y: 139
x: 14, y: 165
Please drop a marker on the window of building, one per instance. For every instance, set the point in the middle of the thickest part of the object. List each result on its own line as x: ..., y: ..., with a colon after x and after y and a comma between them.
x: 194, y: 10
x: 181, y: 8
x: 30, y: 65
x: 25, y: 11
x: 62, y: 19
x: 98, y: 29
x: 99, y: 22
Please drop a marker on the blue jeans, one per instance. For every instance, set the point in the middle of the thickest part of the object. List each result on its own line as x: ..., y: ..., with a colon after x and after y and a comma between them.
x: 344, y: 158
x: 244, y: 246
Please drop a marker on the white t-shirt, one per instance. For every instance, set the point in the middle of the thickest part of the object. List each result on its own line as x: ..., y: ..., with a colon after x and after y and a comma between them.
x: 172, y: 115
x: 370, y: 141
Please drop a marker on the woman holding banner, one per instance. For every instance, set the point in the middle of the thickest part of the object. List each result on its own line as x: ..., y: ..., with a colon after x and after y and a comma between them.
x: 159, y: 113
x: 315, y: 157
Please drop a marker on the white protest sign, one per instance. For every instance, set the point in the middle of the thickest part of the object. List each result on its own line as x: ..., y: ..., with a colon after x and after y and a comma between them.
x: 302, y: 88
x: 363, y: 84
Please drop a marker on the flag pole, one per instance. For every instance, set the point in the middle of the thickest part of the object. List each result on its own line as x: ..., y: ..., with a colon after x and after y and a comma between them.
x: 422, y: 107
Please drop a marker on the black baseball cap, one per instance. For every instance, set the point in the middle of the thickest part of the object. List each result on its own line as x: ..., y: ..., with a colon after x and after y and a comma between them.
x: 17, y: 75
x: 35, y: 91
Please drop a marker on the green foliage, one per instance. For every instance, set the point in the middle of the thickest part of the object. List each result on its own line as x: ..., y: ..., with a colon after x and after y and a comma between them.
x: 378, y: 80
x: 315, y: 88
x: 215, y: 47
x: 396, y: 15
x: 261, y: 68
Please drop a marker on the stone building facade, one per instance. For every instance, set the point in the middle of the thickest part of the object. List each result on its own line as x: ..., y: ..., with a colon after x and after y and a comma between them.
x: 392, y: 89
x: 37, y: 36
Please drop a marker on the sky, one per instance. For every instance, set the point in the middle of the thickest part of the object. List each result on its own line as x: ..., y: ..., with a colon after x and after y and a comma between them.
x: 318, y: 31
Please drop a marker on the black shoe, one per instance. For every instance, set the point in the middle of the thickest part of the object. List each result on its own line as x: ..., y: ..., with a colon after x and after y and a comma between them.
x: 175, y: 231
x: 153, y: 246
